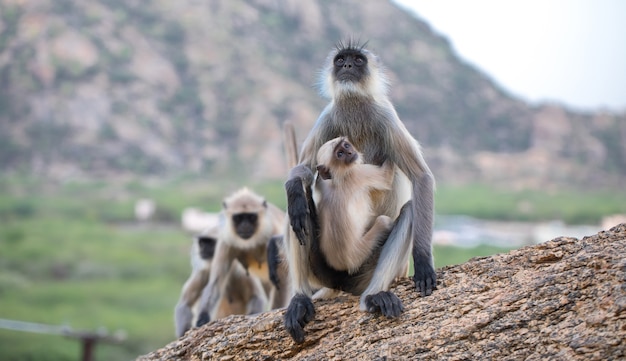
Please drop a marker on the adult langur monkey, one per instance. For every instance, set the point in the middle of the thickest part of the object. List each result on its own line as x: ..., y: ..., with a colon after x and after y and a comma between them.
x: 243, y: 294
x: 360, y: 109
x: 249, y: 223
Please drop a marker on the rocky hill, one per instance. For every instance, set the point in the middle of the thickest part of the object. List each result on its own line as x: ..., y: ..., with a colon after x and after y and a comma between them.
x: 105, y: 88
x: 561, y: 300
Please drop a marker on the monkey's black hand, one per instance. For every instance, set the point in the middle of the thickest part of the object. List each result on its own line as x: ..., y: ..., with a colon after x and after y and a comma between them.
x: 203, y: 318
x: 297, y: 208
x: 425, y: 278
x: 384, y: 302
x: 300, y: 312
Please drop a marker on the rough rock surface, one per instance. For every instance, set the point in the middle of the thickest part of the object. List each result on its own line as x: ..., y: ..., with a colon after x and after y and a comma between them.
x: 561, y: 300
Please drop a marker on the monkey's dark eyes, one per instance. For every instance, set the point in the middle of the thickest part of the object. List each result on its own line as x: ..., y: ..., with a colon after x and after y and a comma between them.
x: 359, y: 61
x: 340, y: 153
x: 339, y: 60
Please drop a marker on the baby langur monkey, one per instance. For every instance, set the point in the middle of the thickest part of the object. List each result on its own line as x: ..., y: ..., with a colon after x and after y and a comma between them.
x: 243, y: 294
x: 349, y: 227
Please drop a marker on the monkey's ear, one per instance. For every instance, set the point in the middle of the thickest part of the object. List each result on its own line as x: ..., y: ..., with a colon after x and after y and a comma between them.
x: 224, y: 204
x: 323, y: 171
x: 264, y: 203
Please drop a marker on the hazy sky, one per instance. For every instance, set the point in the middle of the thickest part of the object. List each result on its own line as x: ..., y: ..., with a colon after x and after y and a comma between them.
x: 568, y: 51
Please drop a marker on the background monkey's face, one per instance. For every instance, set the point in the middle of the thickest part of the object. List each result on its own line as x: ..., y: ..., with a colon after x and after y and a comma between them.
x: 245, y: 224
x: 245, y: 213
x: 350, y: 65
x: 207, y: 247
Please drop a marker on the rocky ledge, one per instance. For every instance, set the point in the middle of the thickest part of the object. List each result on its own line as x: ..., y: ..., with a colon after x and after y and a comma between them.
x: 564, y: 299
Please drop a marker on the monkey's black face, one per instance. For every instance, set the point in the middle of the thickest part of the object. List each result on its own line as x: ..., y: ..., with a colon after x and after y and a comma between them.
x: 245, y: 224
x: 207, y: 247
x: 344, y: 152
x: 350, y: 65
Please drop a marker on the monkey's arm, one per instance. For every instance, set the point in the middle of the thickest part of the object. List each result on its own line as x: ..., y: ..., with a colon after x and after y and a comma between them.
x: 379, y: 177
x: 183, y: 314
x: 298, y: 188
x: 301, y: 211
x: 278, y: 270
x: 274, y: 260
x: 410, y: 160
x: 212, y: 292
x: 193, y: 287
x: 303, y: 225
x: 424, y: 277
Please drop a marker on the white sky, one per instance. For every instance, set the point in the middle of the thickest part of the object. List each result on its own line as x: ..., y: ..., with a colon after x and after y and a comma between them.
x: 568, y: 51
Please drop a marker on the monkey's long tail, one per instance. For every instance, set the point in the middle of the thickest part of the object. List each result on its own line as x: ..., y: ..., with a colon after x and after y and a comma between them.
x: 291, y: 148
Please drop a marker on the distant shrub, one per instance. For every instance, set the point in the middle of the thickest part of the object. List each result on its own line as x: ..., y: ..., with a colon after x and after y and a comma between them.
x: 11, y: 236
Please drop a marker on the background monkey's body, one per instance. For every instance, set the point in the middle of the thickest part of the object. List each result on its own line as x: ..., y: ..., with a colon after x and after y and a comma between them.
x: 241, y: 293
x: 249, y: 224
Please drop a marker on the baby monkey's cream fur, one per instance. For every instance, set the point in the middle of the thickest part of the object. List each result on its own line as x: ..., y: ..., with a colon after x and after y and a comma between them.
x: 349, y: 227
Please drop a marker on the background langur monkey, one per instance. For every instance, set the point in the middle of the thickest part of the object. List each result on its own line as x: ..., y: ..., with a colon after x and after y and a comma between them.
x: 360, y: 109
x: 249, y: 223
x: 243, y: 294
x: 349, y: 229
x: 202, y: 250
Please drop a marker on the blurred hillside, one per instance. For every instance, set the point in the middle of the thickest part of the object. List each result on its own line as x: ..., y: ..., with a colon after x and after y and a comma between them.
x: 104, y: 89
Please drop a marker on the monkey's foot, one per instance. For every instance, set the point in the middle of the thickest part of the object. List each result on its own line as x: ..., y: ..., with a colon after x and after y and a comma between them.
x: 384, y: 302
x: 425, y: 279
x: 299, y: 312
x: 203, y: 318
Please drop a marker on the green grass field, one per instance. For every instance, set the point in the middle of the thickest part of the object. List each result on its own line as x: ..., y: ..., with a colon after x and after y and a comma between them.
x: 72, y: 254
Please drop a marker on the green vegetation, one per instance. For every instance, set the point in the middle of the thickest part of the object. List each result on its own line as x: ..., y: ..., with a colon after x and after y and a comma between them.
x: 72, y: 253
x: 450, y: 255
x: 570, y: 205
